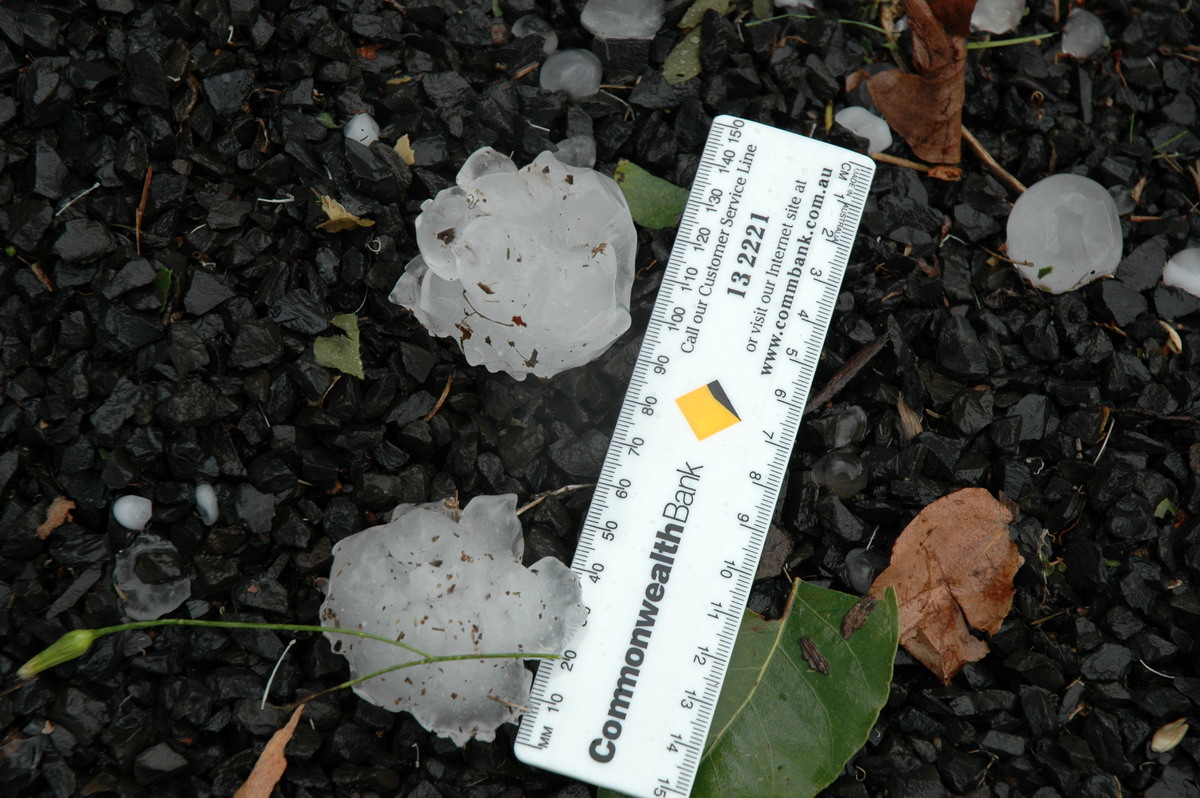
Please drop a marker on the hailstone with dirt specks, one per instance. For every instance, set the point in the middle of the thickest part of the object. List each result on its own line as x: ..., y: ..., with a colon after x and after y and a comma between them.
x: 448, y: 586
x: 529, y: 270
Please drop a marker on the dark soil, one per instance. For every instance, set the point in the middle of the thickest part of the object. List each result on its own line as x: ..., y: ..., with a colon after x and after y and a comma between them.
x: 114, y: 382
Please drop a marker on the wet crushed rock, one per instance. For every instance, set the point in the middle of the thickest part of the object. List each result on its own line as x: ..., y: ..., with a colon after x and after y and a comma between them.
x: 148, y: 355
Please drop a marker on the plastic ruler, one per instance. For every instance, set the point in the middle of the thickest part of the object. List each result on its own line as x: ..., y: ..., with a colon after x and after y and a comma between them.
x: 689, y: 486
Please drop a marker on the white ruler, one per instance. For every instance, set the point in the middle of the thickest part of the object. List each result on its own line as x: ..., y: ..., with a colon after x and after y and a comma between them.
x: 690, y: 483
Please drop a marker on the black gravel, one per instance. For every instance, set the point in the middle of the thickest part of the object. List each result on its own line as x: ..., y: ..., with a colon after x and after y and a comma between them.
x: 147, y: 362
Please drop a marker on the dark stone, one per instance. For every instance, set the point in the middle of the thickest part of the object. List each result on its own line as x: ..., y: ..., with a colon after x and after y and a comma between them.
x: 258, y: 343
x: 205, y: 292
x: 226, y: 92
x: 1107, y: 664
x: 83, y: 240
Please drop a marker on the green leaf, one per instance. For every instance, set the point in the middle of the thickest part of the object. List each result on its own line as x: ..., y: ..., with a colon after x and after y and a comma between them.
x: 1165, y: 507
x: 762, y: 9
x: 654, y: 203
x: 162, y: 283
x: 782, y: 728
x: 327, y: 120
x: 341, y: 352
x: 683, y: 63
x: 691, y: 18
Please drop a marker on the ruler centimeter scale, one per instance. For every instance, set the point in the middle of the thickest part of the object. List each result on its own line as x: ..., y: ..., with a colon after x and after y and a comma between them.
x: 694, y: 469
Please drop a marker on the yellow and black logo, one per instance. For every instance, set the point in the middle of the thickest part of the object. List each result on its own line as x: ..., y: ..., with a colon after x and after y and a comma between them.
x: 708, y: 410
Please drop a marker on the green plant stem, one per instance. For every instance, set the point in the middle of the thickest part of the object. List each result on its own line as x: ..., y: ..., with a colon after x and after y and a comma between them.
x: 970, y: 45
x: 1009, y: 42
x: 866, y: 25
x: 272, y: 627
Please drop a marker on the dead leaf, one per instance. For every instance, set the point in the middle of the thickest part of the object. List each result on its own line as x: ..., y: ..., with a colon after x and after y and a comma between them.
x: 952, y: 566
x: 369, y: 51
x: 58, y: 514
x: 340, y: 219
x: 404, y: 149
x: 271, y: 762
x: 926, y: 108
x: 1169, y: 736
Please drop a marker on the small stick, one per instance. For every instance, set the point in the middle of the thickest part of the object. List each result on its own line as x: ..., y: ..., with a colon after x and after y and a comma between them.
x: 541, y: 497
x: 141, y: 209
x: 441, y: 401
x: 883, y: 157
x: 990, y: 162
x: 846, y: 373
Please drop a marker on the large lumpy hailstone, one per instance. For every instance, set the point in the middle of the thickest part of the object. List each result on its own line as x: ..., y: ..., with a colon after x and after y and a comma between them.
x: 1064, y: 232
x: 530, y: 270
x: 449, y: 587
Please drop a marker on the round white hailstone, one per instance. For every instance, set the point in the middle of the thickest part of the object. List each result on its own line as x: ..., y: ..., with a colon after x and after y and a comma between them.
x: 622, y: 19
x: 864, y: 124
x: 1064, y: 232
x: 149, y: 578
x: 1083, y: 35
x: 206, y: 503
x: 997, y: 16
x: 533, y: 25
x: 133, y: 512
x: 576, y: 72
x: 530, y: 271
x: 362, y: 128
x: 449, y: 587
x: 1183, y: 271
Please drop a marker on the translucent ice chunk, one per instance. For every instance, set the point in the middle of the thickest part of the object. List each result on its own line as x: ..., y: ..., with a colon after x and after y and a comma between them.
x: 1183, y: 271
x: 576, y: 72
x: 577, y: 151
x: 449, y: 587
x: 864, y: 124
x: 1083, y: 35
x: 842, y: 472
x: 529, y: 270
x: 997, y: 16
x: 1122, y: 199
x: 362, y: 128
x: 149, y: 577
x: 1064, y: 232
x: 533, y: 25
x: 623, y: 19
x: 862, y: 566
x: 206, y: 503
x: 133, y: 512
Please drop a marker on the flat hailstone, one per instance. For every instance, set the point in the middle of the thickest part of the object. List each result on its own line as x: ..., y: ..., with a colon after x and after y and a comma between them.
x: 530, y: 270
x: 362, y: 128
x: 150, y: 579
x: 1064, y: 232
x: 449, y: 586
x: 622, y: 19
x: 1083, y: 35
x: 1183, y: 271
x: 997, y: 16
x: 864, y: 124
x: 206, y: 503
x: 133, y: 512
x: 575, y: 72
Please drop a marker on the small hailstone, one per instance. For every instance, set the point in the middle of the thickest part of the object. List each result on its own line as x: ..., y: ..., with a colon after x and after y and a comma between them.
x: 149, y: 578
x: 449, y: 587
x: 1083, y: 35
x: 622, y: 19
x: 862, y: 566
x: 532, y: 24
x: 576, y: 72
x: 842, y: 472
x: 362, y: 128
x: 997, y: 16
x: 133, y: 512
x: 1183, y: 271
x: 206, y: 503
x: 577, y: 151
x: 530, y: 271
x: 1064, y: 232
x: 864, y: 124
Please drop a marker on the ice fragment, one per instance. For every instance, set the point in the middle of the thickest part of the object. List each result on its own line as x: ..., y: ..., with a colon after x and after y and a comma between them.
x: 842, y: 472
x: 149, y: 577
x: 449, y: 587
x: 362, y: 128
x: 1083, y: 34
x: 533, y: 25
x: 577, y: 151
x: 1183, y: 271
x: 133, y: 512
x: 864, y: 124
x: 623, y: 19
x: 997, y: 16
x: 1123, y: 200
x: 576, y: 72
x: 1063, y: 232
x: 206, y: 503
x: 529, y: 270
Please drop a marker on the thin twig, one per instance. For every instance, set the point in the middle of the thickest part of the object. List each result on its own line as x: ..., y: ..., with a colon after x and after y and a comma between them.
x: 141, y: 209
x: 846, y: 373
x: 541, y: 497
x: 441, y: 401
x: 883, y: 157
x: 990, y: 162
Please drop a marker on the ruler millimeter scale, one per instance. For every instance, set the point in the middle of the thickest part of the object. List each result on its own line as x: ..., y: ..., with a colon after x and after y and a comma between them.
x: 694, y: 469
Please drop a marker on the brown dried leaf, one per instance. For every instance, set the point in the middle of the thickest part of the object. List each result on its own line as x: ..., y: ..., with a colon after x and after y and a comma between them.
x: 926, y: 108
x: 58, y: 514
x: 271, y: 762
x: 404, y: 149
x: 340, y: 219
x: 952, y: 566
